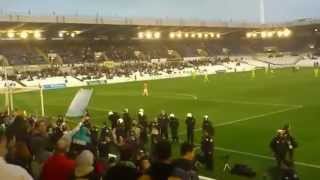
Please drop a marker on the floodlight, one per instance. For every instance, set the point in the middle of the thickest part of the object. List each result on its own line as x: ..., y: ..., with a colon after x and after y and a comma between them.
x: 193, y: 35
x: 211, y: 35
x: 24, y: 35
x: 37, y: 34
x: 206, y: 36
x: 249, y: 34
x: 218, y: 35
x: 148, y: 35
x: 179, y: 35
x: 61, y: 33
x: 157, y: 35
x: 280, y: 34
x: 11, y: 34
x: 287, y: 32
x: 270, y: 34
x: 172, y: 35
x: 73, y: 34
x: 140, y: 35
x: 200, y: 35
x: 186, y: 35
x: 263, y: 34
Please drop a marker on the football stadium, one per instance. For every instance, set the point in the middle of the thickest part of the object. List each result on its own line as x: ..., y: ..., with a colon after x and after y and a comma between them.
x: 101, y: 98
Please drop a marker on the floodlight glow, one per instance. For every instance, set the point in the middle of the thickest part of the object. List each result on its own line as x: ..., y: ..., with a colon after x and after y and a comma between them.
x: 61, y: 33
x: 11, y: 34
x: 193, y: 35
x: 218, y: 35
x: 280, y: 34
x: 200, y: 35
x: 249, y: 35
x: 140, y: 35
x: 316, y: 30
x: 157, y: 35
x: 24, y: 35
x: 212, y: 35
x: 148, y: 35
x: 73, y: 34
x: 254, y: 35
x: 179, y: 35
x: 270, y: 34
x: 37, y: 34
x: 263, y: 34
x: 186, y: 35
x: 172, y: 35
x: 206, y: 36
x: 287, y: 32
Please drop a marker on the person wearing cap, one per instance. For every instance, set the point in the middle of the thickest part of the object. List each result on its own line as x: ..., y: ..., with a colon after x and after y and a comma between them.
x: 190, y: 123
x: 174, y: 126
x: 113, y: 118
x: 207, y: 125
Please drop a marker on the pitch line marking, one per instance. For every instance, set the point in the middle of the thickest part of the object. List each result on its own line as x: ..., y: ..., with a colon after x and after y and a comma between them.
x: 265, y: 157
x: 250, y: 118
x: 258, y: 116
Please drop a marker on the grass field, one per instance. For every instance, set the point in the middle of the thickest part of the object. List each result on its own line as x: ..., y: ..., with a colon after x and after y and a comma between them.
x: 246, y: 112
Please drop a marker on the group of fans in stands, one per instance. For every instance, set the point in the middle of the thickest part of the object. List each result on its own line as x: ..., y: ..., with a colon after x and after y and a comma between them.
x: 123, y: 148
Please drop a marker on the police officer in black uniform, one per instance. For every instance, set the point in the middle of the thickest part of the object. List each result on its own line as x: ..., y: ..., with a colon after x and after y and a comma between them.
x: 113, y: 118
x: 207, y: 146
x: 190, y: 123
x: 105, y: 141
x: 163, y: 120
x: 155, y: 132
x: 207, y: 126
x: 143, y: 124
x: 280, y: 148
x: 174, y: 126
x: 127, y: 120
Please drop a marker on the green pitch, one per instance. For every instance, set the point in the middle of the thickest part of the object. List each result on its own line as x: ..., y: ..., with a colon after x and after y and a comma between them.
x: 246, y: 112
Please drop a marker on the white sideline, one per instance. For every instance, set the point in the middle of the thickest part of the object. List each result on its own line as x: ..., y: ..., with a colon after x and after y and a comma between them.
x: 265, y: 157
x: 258, y: 116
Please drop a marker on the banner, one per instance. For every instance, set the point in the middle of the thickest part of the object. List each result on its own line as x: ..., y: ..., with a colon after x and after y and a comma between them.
x: 53, y: 86
x: 79, y: 103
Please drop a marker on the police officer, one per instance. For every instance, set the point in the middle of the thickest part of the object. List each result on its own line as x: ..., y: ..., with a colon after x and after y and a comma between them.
x: 143, y: 124
x: 127, y: 120
x: 113, y: 118
x: 174, y: 126
x: 207, y: 150
x: 155, y: 131
x: 120, y: 129
x: 291, y: 143
x: 190, y: 122
x: 207, y: 125
x: 279, y: 147
x: 163, y: 120
x: 105, y: 141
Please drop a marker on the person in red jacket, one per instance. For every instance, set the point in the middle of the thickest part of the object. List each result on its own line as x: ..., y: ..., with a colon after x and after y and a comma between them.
x: 58, y: 166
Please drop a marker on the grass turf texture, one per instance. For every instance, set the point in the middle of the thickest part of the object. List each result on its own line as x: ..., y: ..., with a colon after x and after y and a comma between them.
x: 246, y: 112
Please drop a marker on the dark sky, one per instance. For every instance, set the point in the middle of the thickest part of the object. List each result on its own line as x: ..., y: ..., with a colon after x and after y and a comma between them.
x: 236, y: 10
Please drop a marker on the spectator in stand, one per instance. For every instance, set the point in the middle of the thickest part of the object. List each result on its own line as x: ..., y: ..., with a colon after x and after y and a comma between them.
x: 9, y: 171
x: 161, y: 168
x: 85, y: 167
x: 184, y: 166
x: 58, y: 166
x: 125, y: 169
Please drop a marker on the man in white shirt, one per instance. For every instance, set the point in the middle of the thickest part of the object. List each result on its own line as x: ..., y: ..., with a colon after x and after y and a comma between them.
x: 9, y: 171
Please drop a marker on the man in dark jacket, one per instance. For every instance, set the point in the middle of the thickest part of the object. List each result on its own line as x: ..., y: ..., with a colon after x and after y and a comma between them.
x: 190, y: 123
x: 184, y: 166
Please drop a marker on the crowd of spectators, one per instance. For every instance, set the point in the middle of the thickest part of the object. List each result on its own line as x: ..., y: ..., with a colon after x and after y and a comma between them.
x: 123, y: 148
